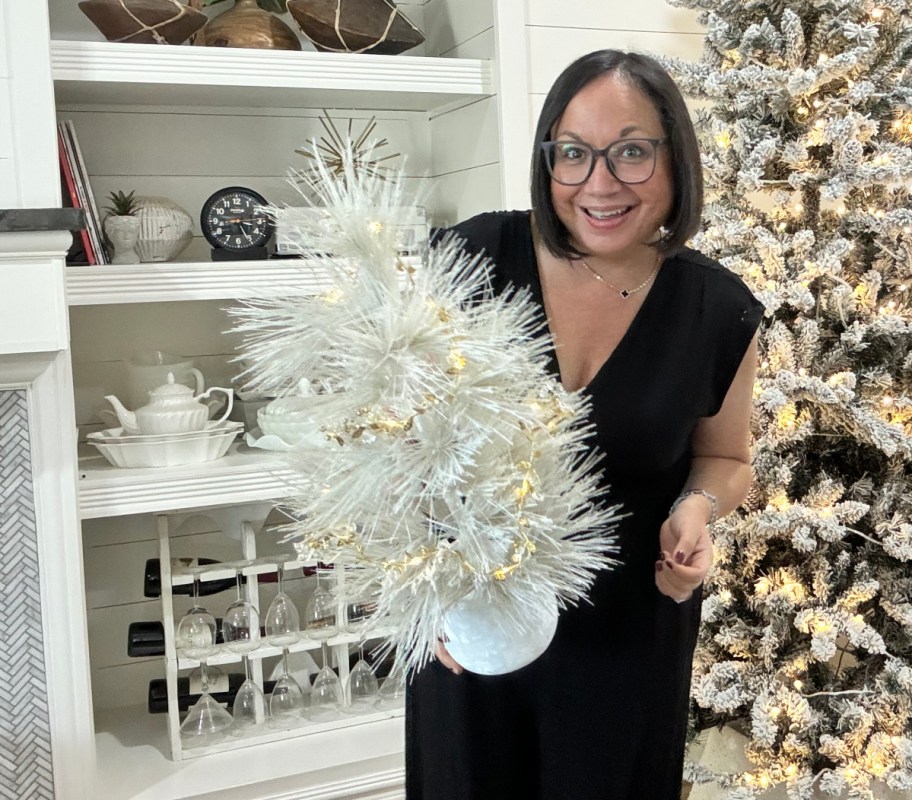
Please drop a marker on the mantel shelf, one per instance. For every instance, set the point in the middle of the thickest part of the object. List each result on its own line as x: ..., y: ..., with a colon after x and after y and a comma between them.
x: 242, y: 476
x: 106, y: 73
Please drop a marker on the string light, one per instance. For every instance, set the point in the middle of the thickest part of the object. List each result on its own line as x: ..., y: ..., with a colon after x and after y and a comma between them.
x: 876, y: 13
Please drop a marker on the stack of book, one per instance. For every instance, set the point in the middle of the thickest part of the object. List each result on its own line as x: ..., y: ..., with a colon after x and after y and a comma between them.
x: 77, y: 192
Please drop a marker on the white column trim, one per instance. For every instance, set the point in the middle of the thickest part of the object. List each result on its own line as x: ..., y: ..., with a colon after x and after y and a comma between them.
x: 512, y: 79
x: 53, y: 450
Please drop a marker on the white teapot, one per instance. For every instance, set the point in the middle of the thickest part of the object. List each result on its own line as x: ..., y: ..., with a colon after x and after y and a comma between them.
x: 172, y: 409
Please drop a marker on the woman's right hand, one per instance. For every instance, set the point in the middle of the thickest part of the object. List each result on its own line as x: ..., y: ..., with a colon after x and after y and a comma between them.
x: 444, y: 657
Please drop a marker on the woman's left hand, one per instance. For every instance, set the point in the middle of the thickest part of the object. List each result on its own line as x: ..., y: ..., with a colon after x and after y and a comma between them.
x: 686, y: 551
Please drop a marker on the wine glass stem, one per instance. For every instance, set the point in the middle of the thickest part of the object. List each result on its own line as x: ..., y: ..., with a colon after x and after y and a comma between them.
x: 284, y: 661
x: 204, y: 677
x: 325, y: 651
x: 196, y: 586
x: 246, y: 668
x: 238, y: 578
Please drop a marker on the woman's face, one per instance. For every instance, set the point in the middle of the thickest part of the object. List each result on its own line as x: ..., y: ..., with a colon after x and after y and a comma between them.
x: 607, y: 219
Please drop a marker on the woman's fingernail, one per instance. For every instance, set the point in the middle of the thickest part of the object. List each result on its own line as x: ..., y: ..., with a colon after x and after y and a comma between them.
x: 659, y: 566
x: 679, y: 556
x: 669, y: 564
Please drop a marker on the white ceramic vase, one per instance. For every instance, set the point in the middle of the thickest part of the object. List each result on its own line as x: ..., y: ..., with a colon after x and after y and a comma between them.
x: 165, y: 229
x: 123, y: 234
x: 495, y: 638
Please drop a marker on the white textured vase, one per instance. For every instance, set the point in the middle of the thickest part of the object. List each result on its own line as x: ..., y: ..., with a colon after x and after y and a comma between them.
x: 165, y: 229
x: 496, y: 638
x: 123, y: 234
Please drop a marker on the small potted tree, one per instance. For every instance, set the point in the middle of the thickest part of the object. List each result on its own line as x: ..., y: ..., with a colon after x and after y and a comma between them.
x: 121, y: 227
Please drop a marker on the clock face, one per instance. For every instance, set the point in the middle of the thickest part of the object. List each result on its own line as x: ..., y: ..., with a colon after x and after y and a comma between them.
x: 236, y: 219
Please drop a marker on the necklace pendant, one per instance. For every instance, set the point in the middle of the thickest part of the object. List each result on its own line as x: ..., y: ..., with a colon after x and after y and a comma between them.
x: 624, y: 293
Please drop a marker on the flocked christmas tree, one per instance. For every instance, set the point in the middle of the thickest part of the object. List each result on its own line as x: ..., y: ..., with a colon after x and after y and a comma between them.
x: 806, y: 125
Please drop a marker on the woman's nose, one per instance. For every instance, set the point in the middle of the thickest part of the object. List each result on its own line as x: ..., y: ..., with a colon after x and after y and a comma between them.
x: 602, y: 177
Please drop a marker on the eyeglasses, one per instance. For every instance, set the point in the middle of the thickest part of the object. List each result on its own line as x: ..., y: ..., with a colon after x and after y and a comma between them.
x: 629, y: 160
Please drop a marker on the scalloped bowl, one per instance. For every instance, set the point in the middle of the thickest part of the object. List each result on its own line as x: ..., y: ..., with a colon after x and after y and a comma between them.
x: 167, y: 452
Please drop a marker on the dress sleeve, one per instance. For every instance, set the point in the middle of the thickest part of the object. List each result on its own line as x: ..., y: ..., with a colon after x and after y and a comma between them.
x: 737, y: 314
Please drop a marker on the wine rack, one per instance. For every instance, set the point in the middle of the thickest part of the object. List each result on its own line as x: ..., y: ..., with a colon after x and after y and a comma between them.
x: 249, y: 565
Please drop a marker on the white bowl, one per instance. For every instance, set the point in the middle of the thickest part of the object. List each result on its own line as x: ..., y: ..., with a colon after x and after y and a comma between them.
x: 167, y: 452
x: 117, y: 435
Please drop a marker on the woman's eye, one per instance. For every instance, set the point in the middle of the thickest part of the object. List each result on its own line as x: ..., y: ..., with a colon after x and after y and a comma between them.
x: 570, y: 152
x: 631, y: 151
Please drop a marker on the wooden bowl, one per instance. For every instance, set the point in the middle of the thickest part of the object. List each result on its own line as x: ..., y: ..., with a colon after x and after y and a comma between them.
x: 160, y: 21
x: 362, y: 24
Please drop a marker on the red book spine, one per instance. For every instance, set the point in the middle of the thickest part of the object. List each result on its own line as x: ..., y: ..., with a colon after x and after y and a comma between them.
x: 69, y: 181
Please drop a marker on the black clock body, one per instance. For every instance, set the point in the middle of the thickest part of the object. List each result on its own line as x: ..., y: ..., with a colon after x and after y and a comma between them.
x: 236, y: 223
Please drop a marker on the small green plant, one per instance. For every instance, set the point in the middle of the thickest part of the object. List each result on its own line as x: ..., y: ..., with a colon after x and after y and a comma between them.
x: 275, y: 6
x: 122, y: 205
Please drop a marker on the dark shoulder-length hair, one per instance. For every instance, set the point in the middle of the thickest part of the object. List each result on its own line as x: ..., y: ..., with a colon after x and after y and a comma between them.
x: 687, y: 175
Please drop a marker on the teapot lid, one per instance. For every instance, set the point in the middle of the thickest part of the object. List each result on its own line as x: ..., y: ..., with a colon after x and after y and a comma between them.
x: 171, y: 389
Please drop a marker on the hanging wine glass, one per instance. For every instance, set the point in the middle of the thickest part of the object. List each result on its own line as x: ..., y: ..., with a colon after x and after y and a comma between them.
x: 362, y: 684
x: 392, y: 690
x: 282, y: 625
x: 249, y: 707
x: 286, y: 702
x: 326, y: 696
x: 320, y: 618
x: 241, y: 624
x: 195, y: 635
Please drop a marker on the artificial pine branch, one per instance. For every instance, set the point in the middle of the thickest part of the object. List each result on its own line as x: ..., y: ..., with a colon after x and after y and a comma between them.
x: 807, y: 636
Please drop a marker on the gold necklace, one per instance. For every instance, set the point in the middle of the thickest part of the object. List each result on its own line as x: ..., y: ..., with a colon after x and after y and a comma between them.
x: 624, y: 293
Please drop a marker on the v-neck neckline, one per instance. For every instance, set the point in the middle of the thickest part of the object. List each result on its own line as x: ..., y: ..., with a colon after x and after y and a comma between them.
x: 623, y: 342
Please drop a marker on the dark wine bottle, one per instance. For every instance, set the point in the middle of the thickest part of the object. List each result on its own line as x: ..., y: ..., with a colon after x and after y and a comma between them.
x: 146, y: 639
x: 152, y: 577
x: 223, y: 689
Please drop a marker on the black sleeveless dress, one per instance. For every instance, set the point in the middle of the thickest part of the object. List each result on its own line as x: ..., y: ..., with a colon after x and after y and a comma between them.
x: 602, y: 713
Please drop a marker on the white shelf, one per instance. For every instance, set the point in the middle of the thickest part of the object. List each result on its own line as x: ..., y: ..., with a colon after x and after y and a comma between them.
x: 358, y: 760
x: 106, y: 73
x: 175, y: 281
x: 242, y: 476
x: 192, y: 280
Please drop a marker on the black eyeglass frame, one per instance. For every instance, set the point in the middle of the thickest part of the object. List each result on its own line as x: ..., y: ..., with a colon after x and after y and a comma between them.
x: 547, y: 148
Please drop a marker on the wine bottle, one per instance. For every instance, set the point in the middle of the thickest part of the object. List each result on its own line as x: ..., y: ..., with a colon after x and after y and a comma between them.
x: 223, y: 688
x: 146, y: 639
x: 152, y: 577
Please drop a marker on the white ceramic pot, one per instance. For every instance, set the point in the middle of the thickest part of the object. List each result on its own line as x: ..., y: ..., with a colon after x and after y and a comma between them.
x: 123, y: 234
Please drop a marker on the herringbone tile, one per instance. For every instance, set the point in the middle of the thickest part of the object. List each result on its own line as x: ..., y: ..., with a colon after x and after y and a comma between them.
x: 26, y: 770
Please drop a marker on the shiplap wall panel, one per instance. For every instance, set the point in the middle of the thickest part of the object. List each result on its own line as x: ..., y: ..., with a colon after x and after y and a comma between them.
x: 474, y: 129
x: 103, y: 337
x: 463, y: 194
x: 451, y: 24
x: 646, y: 15
x: 552, y: 49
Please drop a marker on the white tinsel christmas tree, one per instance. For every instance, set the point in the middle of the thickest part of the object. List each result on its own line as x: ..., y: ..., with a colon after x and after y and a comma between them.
x: 806, y: 646
x: 438, y: 455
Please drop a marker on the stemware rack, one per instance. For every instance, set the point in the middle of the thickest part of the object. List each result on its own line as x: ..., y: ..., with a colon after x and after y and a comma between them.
x: 250, y: 566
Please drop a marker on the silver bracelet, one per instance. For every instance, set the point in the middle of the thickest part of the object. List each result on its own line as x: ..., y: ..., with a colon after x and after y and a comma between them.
x: 713, y: 504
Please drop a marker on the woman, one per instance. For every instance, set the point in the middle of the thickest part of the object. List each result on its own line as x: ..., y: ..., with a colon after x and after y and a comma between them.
x: 663, y: 340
